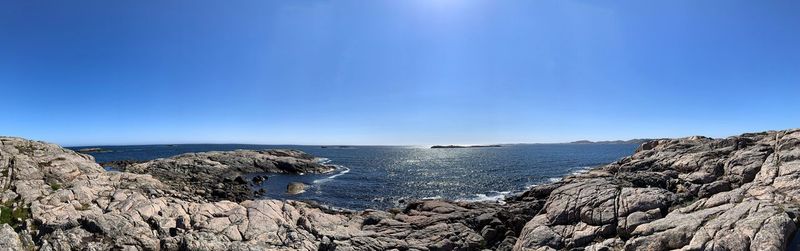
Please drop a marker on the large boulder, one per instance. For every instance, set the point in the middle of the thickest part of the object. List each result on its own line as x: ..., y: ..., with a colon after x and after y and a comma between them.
x: 9, y: 240
x: 295, y: 188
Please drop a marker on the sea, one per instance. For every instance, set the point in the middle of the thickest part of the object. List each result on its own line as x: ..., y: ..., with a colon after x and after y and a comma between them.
x: 382, y: 177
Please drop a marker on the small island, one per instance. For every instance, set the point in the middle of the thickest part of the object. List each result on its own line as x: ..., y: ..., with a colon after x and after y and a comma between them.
x: 340, y: 147
x: 457, y: 146
x: 93, y: 150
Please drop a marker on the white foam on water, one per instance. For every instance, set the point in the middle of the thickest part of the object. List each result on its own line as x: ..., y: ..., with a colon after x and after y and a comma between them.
x: 554, y: 180
x: 432, y: 197
x: 580, y: 170
x: 323, y: 160
x: 493, y: 196
x: 326, y: 179
x: 346, y: 170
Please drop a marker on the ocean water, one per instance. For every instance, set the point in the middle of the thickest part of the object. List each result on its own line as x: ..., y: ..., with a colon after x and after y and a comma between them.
x: 382, y: 177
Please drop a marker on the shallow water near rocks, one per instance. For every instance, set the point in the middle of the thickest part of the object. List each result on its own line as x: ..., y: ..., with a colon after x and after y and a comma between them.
x: 381, y: 177
x: 794, y: 243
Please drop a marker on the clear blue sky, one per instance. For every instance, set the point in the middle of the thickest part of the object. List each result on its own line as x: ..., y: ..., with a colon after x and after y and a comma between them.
x: 395, y: 72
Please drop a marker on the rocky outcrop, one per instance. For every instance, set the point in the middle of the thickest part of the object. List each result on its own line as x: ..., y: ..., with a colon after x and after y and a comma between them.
x: 739, y: 193
x: 295, y: 188
x: 218, y: 175
x: 696, y: 193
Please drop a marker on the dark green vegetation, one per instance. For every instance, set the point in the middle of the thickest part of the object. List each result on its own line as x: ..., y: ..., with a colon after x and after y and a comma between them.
x: 13, y: 216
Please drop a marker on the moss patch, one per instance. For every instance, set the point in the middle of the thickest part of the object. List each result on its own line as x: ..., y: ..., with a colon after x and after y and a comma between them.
x: 13, y: 216
x: 5, y: 215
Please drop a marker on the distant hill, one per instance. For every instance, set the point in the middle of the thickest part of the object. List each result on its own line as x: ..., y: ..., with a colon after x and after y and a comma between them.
x: 456, y: 146
x: 632, y: 141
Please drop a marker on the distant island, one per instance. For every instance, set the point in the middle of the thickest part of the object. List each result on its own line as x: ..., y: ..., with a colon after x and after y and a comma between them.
x: 456, y: 146
x: 632, y: 141
x: 93, y: 150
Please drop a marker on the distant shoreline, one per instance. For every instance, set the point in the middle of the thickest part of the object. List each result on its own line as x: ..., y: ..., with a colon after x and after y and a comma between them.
x: 93, y: 150
x: 457, y: 146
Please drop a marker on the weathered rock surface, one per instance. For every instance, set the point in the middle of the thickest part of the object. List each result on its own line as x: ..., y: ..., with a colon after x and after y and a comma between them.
x: 696, y: 193
x: 739, y: 193
x: 120, y: 164
x: 9, y: 240
x: 217, y: 175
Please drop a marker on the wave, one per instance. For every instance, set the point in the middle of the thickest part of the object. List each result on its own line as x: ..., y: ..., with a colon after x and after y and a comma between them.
x: 580, y: 170
x: 493, y: 196
x: 340, y: 173
x: 548, y: 181
x: 323, y: 161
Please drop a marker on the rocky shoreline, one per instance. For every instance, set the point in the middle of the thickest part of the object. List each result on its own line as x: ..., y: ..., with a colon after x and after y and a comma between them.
x: 220, y: 175
x: 696, y: 193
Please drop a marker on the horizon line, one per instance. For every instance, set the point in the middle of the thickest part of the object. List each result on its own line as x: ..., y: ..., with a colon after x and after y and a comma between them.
x: 279, y: 144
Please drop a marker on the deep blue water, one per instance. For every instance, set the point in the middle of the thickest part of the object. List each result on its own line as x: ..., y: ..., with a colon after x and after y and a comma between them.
x: 380, y: 176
